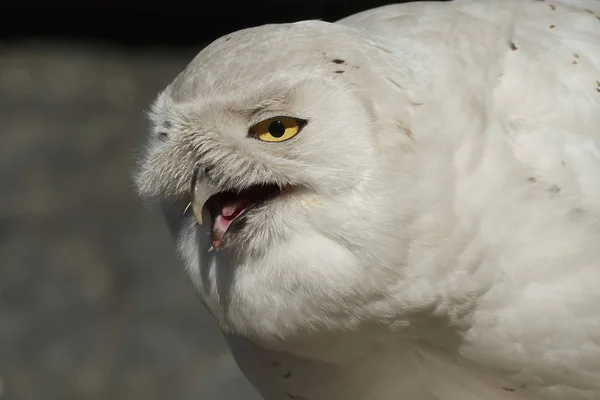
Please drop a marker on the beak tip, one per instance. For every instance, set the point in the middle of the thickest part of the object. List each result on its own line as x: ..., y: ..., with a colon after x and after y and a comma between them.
x: 198, y: 217
x: 201, y: 191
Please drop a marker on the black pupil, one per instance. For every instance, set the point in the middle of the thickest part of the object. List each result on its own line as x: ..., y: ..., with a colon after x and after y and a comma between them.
x: 276, y: 129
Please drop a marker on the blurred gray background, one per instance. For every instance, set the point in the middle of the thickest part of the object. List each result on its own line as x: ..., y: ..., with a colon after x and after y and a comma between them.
x: 93, y: 303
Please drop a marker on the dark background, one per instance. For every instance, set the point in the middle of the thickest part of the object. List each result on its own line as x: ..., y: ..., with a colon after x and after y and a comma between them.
x: 167, y: 23
x: 93, y: 304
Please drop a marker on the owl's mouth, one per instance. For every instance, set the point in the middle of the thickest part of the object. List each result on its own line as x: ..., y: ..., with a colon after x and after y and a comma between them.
x: 227, y: 208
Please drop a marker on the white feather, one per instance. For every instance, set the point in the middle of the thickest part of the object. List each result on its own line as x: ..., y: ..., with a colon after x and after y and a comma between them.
x: 442, y: 239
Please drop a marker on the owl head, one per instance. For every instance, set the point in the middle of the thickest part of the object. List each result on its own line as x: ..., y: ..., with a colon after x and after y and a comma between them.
x: 271, y: 155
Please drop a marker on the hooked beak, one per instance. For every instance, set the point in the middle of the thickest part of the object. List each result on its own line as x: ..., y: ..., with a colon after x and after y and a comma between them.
x: 201, y: 191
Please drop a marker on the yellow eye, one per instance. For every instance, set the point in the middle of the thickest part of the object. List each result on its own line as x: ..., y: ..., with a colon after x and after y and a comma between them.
x: 277, y: 129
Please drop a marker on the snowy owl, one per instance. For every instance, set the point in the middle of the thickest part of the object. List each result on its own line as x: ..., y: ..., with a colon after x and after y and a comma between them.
x: 400, y: 205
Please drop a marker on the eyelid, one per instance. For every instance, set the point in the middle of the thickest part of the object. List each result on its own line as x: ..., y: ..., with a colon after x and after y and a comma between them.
x: 302, y: 122
x: 264, y: 115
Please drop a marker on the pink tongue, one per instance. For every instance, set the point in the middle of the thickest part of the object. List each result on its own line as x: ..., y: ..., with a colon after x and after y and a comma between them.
x: 233, y: 208
x: 229, y: 210
x: 228, y: 213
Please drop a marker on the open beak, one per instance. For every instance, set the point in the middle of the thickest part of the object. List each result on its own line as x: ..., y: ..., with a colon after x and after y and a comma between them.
x: 201, y: 191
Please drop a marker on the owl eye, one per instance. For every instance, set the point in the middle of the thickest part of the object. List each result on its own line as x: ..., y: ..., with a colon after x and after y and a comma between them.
x: 277, y: 129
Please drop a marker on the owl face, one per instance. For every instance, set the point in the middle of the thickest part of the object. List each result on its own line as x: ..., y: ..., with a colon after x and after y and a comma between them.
x: 267, y: 163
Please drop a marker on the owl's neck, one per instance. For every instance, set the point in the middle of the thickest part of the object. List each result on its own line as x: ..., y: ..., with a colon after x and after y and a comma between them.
x: 367, y: 365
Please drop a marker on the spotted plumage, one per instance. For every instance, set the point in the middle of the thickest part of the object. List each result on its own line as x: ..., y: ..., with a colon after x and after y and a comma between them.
x: 405, y: 203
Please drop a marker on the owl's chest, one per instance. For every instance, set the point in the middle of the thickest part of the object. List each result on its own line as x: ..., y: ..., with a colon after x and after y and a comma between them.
x: 386, y: 375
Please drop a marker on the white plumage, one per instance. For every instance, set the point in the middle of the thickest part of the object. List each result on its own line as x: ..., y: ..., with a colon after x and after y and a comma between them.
x: 438, y: 232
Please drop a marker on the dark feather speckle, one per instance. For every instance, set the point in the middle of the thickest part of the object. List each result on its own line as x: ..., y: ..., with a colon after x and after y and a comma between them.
x: 554, y: 189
